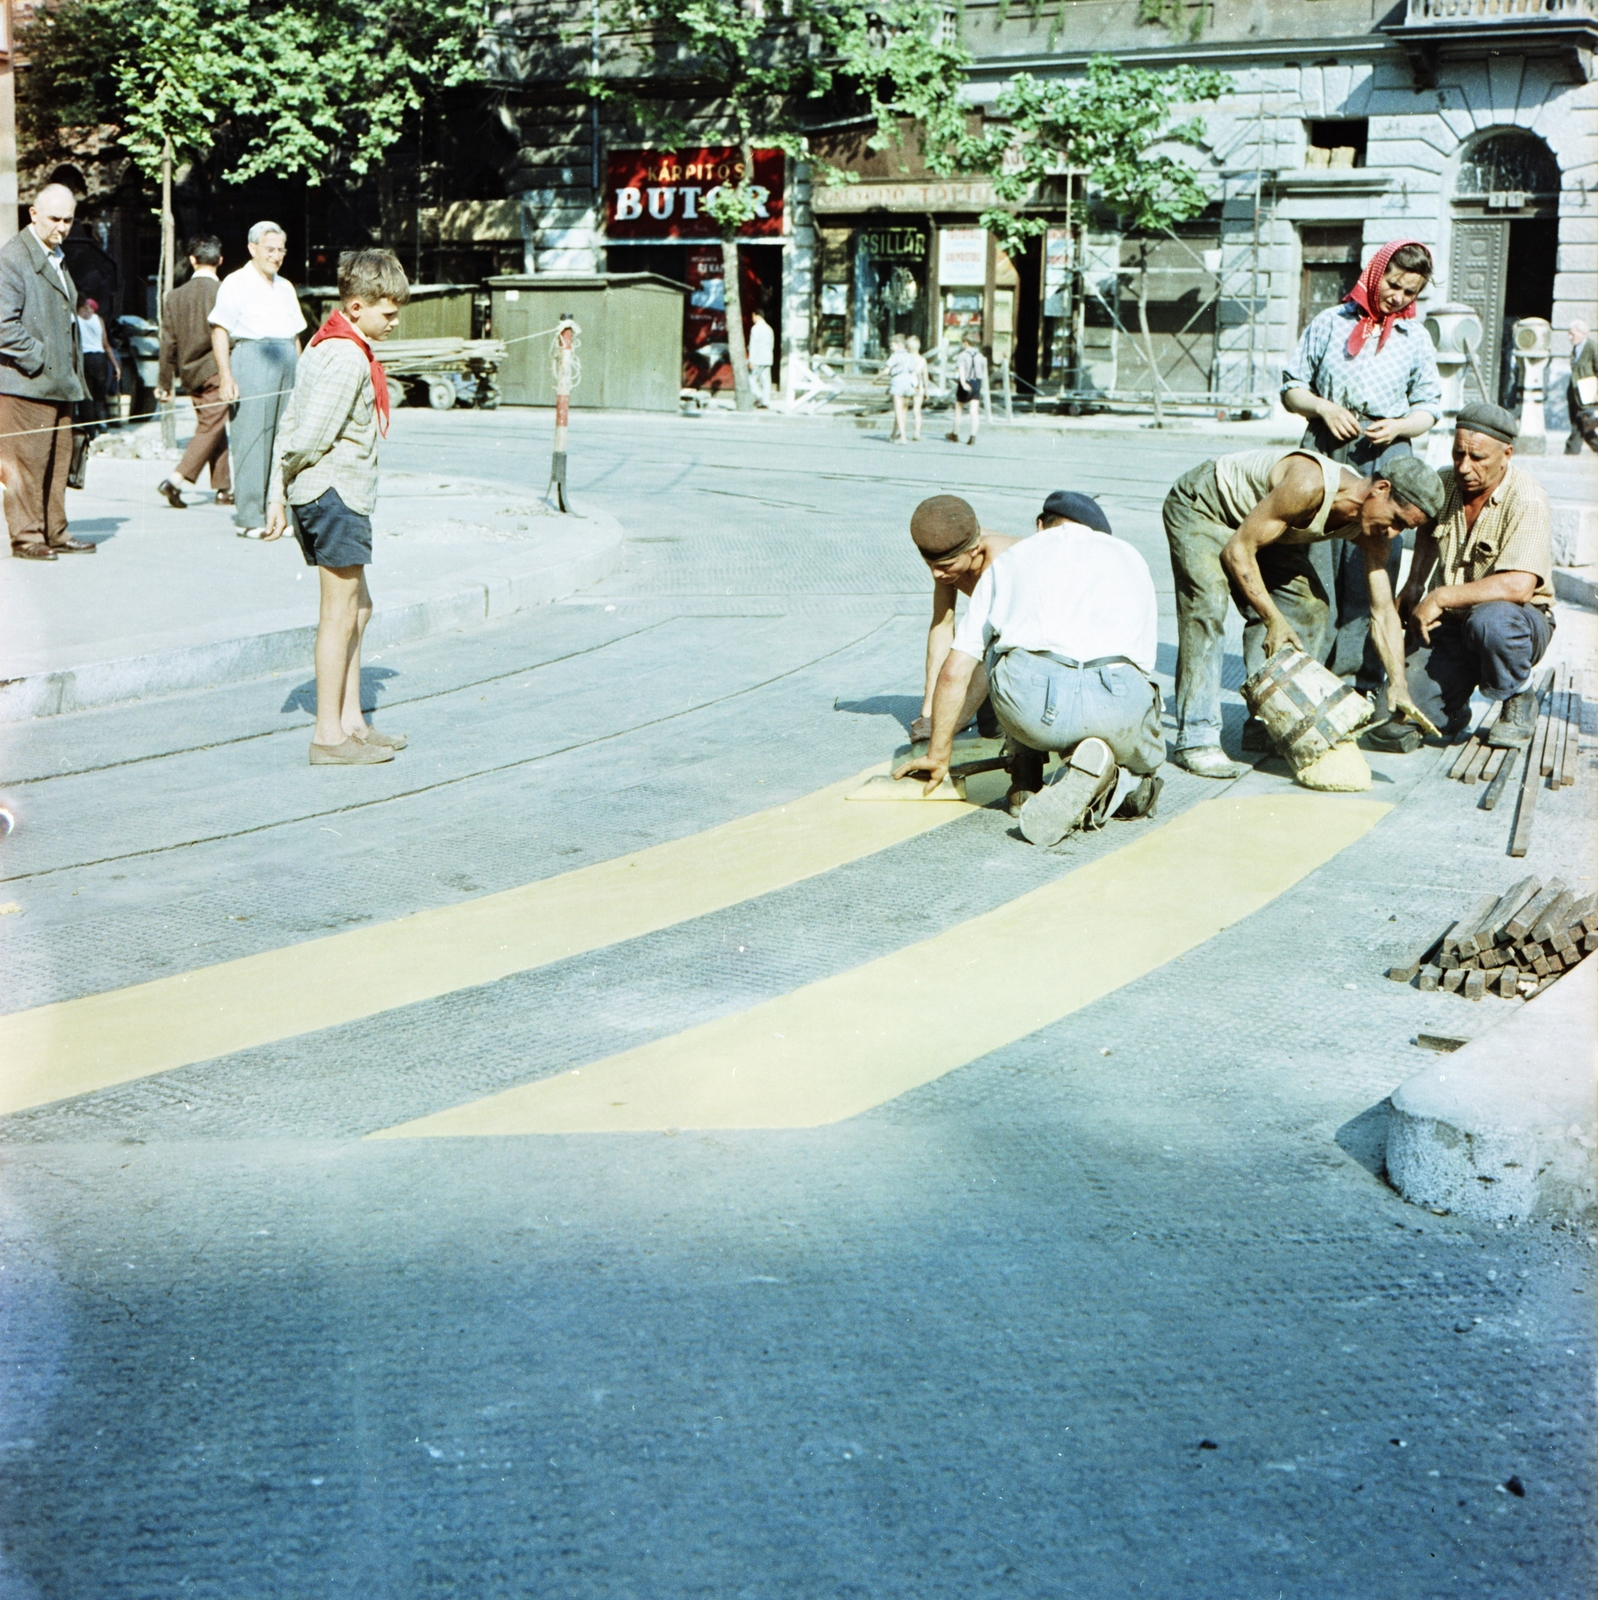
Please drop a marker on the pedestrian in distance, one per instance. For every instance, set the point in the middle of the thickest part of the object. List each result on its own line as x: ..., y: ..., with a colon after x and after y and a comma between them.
x: 923, y: 377
x: 102, y: 371
x: 901, y: 373
x: 41, y: 379
x: 256, y: 325
x: 324, y: 480
x: 189, y: 355
x: 1583, y: 392
x: 971, y: 376
x: 762, y: 357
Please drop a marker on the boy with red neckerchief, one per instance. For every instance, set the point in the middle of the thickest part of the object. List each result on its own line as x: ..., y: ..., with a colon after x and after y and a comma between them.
x: 324, y: 478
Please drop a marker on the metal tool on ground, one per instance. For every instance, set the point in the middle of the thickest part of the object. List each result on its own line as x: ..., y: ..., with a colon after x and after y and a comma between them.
x: 567, y: 376
x: 969, y: 757
x: 1516, y: 943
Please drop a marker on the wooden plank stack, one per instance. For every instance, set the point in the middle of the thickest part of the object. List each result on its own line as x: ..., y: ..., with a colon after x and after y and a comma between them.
x: 1516, y: 943
x: 1554, y: 749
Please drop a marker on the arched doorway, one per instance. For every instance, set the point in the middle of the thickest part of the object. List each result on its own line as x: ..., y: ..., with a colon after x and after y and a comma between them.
x: 1505, y: 245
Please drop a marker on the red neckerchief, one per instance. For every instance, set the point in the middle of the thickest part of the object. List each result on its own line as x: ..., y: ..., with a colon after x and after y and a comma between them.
x: 338, y: 326
x: 1364, y: 294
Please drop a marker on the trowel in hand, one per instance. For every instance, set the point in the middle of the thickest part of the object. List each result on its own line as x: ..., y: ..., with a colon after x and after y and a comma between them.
x: 968, y: 757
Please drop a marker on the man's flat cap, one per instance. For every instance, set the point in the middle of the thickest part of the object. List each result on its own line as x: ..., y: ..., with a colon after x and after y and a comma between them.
x: 1077, y: 508
x: 1494, y: 421
x: 1413, y: 481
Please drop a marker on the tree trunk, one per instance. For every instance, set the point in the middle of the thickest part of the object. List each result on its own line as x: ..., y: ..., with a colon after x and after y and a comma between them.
x: 732, y: 293
x: 164, y: 284
x: 1148, y: 338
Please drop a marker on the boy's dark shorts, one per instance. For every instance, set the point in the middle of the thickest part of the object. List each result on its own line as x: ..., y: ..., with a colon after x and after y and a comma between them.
x: 330, y: 534
x: 965, y: 393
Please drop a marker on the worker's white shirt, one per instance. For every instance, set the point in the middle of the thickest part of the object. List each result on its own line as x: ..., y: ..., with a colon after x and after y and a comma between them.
x: 1068, y: 591
x: 252, y: 307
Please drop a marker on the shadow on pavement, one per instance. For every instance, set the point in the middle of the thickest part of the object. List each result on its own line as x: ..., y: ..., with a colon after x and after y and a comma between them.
x: 1364, y: 1138
x: 303, y: 696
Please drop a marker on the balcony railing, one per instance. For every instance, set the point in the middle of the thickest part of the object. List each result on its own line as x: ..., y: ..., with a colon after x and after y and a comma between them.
x: 1422, y: 13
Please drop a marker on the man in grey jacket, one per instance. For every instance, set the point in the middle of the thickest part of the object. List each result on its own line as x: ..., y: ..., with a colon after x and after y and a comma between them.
x: 41, y: 377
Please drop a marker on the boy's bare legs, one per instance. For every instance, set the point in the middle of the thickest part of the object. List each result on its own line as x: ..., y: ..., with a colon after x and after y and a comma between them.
x: 976, y: 419
x: 338, y: 639
x: 919, y: 398
x: 354, y: 718
x: 900, y: 430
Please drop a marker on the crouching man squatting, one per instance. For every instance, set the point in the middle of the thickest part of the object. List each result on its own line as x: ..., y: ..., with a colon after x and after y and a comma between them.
x: 1061, y: 631
x: 1240, y: 527
x: 1479, y: 596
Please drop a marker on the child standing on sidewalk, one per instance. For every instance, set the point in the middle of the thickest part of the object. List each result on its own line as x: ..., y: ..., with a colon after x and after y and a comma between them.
x: 324, y: 477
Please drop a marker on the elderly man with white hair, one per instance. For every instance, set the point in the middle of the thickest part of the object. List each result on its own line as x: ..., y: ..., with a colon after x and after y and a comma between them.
x: 41, y: 377
x: 1583, y: 388
x: 256, y: 325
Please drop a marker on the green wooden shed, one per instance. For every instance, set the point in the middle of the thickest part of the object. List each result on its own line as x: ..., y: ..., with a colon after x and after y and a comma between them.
x: 630, y: 344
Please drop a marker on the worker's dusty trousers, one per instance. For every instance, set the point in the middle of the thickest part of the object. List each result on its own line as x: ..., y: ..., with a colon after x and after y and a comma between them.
x: 264, y: 372
x: 35, y: 457
x: 208, y: 447
x: 1197, y: 531
x: 1046, y: 702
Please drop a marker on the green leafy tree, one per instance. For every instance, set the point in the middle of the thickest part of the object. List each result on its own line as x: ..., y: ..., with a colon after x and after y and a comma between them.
x: 302, y: 88
x: 1106, y: 126
x: 751, y: 68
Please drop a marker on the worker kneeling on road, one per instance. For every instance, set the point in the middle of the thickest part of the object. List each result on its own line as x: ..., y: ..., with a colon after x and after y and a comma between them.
x: 1479, y: 597
x: 1061, y: 631
x: 1240, y: 527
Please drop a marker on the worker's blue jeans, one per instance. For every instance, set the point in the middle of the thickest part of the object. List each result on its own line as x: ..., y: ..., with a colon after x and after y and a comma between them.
x: 1049, y: 703
x: 1492, y: 647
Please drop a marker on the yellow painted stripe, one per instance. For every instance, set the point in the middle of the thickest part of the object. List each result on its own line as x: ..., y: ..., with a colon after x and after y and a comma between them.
x: 76, y: 1046
x: 838, y: 1047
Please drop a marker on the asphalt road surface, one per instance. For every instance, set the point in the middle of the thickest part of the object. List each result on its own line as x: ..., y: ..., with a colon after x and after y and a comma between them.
x: 1046, y: 1254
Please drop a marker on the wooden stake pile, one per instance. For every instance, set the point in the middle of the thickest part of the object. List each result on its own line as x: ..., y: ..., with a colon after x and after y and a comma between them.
x: 1554, y: 748
x: 1515, y: 943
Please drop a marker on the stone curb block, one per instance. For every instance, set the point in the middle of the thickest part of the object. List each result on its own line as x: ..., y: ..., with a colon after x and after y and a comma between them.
x: 1576, y: 588
x: 1507, y: 1128
x: 206, y: 666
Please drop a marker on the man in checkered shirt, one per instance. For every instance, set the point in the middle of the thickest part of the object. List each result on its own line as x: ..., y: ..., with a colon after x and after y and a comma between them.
x: 1479, y: 599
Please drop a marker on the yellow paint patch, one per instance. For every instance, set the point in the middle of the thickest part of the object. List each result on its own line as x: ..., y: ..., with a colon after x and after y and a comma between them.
x: 841, y: 1046
x: 77, y: 1046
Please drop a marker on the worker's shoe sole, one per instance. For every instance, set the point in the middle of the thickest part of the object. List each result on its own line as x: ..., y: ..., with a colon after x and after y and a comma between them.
x: 352, y: 753
x: 1084, y: 782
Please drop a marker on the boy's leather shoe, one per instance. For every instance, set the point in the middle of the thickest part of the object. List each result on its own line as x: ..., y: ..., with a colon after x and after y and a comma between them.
x: 34, y: 550
x: 352, y: 753
x: 172, y: 494
x: 75, y: 547
x: 384, y: 741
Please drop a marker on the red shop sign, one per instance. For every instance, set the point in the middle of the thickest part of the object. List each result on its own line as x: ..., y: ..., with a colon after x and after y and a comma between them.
x: 659, y: 194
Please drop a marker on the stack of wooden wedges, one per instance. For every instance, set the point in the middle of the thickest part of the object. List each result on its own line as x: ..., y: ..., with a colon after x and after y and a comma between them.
x: 1516, y: 943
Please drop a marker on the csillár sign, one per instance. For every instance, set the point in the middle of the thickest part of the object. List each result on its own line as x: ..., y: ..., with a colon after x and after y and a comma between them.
x: 662, y: 194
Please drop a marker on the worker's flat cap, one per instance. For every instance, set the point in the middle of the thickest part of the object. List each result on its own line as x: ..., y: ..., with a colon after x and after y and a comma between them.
x: 1494, y: 421
x: 1413, y: 481
x: 1076, y: 507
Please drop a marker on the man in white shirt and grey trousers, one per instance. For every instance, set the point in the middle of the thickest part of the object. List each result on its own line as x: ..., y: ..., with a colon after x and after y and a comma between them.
x: 1061, y: 631
x: 256, y: 325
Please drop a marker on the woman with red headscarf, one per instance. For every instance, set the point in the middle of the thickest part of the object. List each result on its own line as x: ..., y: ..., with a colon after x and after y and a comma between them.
x: 1365, y: 377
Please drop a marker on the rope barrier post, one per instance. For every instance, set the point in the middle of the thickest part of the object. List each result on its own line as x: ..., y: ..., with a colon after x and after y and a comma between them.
x: 564, y: 364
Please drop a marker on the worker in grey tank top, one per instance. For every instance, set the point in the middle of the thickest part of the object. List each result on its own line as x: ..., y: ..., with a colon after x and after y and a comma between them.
x: 1241, y: 528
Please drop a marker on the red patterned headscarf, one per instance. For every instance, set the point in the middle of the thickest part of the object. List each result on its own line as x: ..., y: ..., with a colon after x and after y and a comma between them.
x: 338, y: 326
x: 1364, y: 295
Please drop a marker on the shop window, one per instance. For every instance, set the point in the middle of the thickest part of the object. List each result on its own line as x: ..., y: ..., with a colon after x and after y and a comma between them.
x: 1338, y: 143
x: 1331, y: 267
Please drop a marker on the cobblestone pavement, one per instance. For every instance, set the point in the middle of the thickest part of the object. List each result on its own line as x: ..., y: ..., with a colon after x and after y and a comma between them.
x: 1120, y: 1308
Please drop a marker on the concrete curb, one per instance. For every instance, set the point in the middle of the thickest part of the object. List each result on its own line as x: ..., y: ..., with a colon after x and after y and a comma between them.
x: 1507, y: 1127
x: 1576, y: 587
x: 206, y: 665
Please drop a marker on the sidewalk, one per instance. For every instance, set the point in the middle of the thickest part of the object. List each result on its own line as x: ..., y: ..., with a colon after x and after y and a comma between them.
x: 173, y: 600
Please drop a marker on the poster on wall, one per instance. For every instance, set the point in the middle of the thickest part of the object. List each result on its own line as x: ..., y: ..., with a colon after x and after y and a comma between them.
x: 655, y: 196
x: 707, y: 363
x: 962, y: 258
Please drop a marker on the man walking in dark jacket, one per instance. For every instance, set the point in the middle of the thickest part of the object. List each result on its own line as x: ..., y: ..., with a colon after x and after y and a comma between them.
x: 41, y: 378
x: 186, y: 353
